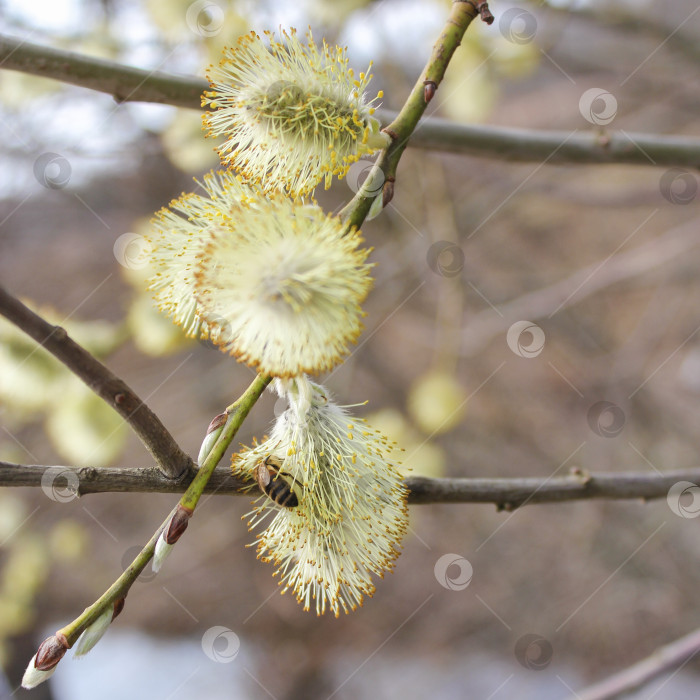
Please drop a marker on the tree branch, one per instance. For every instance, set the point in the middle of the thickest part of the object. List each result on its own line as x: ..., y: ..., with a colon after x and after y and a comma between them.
x: 237, y: 413
x: 675, y: 654
x: 676, y: 243
x: 173, y: 463
x: 124, y: 83
x: 506, y: 493
x: 128, y: 84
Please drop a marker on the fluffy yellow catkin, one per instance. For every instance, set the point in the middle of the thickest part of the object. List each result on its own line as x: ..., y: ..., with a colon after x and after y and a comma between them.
x: 292, y: 114
x: 351, y: 514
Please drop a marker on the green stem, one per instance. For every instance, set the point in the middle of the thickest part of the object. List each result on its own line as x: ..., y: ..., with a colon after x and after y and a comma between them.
x: 117, y: 590
x: 406, y: 120
x: 237, y: 413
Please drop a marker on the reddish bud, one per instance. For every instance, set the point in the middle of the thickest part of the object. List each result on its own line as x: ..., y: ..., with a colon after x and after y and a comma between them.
x: 217, y: 422
x: 118, y: 607
x: 177, y: 525
x: 50, y: 652
x: 429, y: 88
x: 388, y: 191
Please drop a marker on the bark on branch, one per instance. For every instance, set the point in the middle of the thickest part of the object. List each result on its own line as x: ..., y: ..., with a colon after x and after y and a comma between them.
x: 173, y: 463
x: 506, y: 493
x: 126, y: 83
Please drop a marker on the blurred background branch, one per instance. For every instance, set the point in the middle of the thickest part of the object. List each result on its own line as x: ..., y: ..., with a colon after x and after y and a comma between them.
x: 665, y: 658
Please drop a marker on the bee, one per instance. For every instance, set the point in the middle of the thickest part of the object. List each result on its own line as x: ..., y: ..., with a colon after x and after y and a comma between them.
x: 272, y: 482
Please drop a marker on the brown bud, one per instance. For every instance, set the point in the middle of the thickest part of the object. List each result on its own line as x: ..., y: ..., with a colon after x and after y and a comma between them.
x: 50, y: 652
x: 177, y: 525
x: 118, y: 607
x: 217, y: 422
x: 430, y: 86
x: 388, y: 191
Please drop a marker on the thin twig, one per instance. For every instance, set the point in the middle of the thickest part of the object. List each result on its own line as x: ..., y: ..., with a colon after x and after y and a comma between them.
x: 673, y: 655
x: 172, y: 462
x: 506, y: 493
x: 676, y: 243
x: 128, y: 84
x: 238, y: 412
x: 404, y: 124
